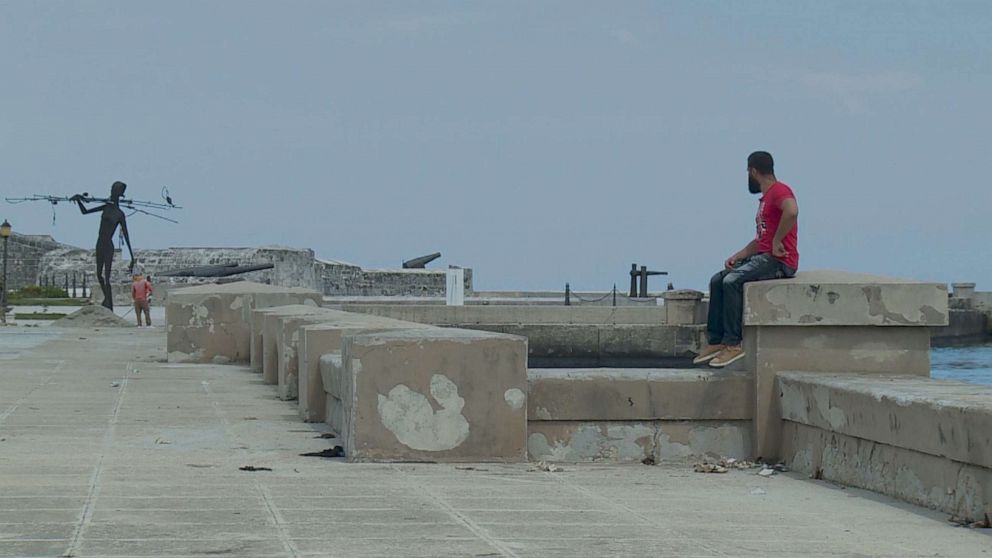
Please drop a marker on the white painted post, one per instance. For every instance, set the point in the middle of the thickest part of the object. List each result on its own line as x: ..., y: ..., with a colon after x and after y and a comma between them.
x: 455, y: 291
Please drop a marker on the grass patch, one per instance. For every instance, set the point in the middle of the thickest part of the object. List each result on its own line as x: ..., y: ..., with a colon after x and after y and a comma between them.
x: 38, y: 315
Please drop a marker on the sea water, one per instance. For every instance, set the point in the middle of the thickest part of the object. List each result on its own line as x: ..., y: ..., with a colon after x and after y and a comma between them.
x: 966, y: 364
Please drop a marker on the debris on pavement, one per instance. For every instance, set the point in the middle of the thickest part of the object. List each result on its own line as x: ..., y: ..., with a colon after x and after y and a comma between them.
x: 706, y: 467
x: 327, y: 435
x: 252, y: 468
x: 115, y: 384
x: 985, y: 523
x: 649, y: 460
x: 766, y: 472
x: 469, y: 469
x: 162, y: 441
x: 758, y: 492
x: 546, y: 467
x: 336, y: 451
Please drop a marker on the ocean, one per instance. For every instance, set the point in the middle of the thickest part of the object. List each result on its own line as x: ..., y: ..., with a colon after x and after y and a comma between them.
x: 966, y: 364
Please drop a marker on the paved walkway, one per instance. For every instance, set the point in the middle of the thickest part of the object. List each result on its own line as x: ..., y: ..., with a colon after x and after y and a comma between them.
x: 107, y: 451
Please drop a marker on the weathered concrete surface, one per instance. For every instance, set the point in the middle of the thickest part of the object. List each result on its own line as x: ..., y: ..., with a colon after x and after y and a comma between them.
x: 633, y: 441
x: 617, y: 394
x: 316, y: 340
x: 434, y: 394
x: 942, y: 418
x: 684, y: 307
x: 830, y: 322
x: 962, y: 490
x: 832, y: 298
x: 210, y: 323
x: 926, y: 441
x: 146, y: 478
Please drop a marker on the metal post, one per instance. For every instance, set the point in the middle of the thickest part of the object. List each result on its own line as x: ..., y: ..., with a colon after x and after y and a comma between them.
x: 568, y: 295
x: 614, y: 294
x: 633, y: 280
x: 3, y: 293
x: 66, y: 284
x: 644, y: 281
x: 73, y: 284
x: 84, y: 285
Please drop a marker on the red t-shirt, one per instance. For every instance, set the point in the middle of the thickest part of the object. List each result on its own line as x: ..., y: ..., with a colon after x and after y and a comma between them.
x: 141, y: 289
x: 768, y: 218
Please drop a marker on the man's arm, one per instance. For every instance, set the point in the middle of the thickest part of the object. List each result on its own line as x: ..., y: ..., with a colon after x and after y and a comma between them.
x: 790, y: 214
x: 745, y: 252
x: 127, y: 239
x: 78, y: 198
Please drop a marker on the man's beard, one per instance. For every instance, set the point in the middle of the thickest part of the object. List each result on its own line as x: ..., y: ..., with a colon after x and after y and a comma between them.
x: 753, y: 185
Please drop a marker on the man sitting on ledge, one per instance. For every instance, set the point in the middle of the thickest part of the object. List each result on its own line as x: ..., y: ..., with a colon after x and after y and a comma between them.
x: 773, y: 254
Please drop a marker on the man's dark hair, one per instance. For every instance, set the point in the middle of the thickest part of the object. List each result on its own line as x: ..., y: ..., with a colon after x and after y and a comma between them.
x: 762, y: 162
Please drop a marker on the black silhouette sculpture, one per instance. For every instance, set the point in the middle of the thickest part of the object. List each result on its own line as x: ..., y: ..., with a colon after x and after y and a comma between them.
x: 111, y: 216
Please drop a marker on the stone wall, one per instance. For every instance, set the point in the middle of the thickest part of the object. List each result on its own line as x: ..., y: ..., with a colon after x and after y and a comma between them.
x: 33, y: 257
x: 25, y: 253
x: 343, y: 279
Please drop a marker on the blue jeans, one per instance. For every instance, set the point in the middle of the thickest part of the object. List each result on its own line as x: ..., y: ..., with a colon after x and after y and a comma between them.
x: 726, y: 313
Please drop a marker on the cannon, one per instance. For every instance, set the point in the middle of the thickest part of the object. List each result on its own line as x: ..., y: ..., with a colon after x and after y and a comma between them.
x: 220, y: 270
x: 421, y: 262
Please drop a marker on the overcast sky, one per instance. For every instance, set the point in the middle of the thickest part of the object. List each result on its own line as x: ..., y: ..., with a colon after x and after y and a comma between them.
x: 536, y: 142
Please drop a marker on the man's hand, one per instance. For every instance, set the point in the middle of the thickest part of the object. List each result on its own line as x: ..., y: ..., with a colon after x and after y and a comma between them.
x: 732, y: 261
x: 76, y: 198
x: 778, y: 250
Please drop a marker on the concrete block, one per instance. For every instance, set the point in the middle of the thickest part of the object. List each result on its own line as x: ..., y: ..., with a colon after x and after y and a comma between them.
x: 287, y: 342
x: 271, y: 325
x: 435, y: 395
x: 941, y: 418
x: 209, y: 323
x: 633, y: 441
x: 682, y: 307
x: 831, y: 298
x: 638, y: 394
x: 316, y: 340
x: 959, y: 489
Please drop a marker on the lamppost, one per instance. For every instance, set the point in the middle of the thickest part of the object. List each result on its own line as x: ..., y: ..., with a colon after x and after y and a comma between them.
x: 5, y: 234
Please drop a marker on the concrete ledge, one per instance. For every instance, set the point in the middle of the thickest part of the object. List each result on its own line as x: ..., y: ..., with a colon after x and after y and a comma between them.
x: 633, y: 441
x: 824, y: 298
x: 925, y: 441
x: 434, y: 394
x: 579, y: 345
x: 959, y: 489
x: 210, y: 323
x: 945, y: 419
x: 462, y: 316
x: 617, y: 394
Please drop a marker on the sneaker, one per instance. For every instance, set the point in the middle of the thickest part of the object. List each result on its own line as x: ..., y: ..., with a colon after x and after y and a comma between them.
x: 708, y: 352
x: 728, y: 356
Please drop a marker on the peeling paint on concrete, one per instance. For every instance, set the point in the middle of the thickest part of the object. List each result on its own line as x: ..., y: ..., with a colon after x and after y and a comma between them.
x: 515, y: 398
x: 411, y: 418
x: 589, y: 442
